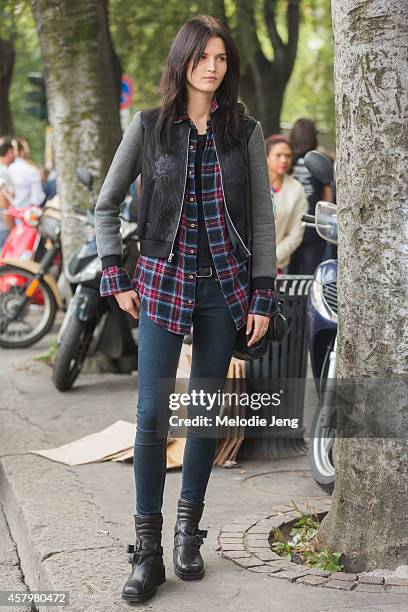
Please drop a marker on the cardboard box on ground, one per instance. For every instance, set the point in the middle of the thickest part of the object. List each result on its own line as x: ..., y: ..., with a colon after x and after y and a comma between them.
x: 115, y: 443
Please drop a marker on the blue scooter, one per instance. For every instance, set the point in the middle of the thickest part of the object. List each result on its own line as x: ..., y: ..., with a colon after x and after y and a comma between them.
x: 322, y: 332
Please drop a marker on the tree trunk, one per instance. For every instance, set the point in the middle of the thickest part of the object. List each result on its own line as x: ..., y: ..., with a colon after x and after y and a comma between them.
x: 82, y: 98
x: 263, y: 81
x: 263, y: 89
x: 7, y: 57
x: 368, y: 518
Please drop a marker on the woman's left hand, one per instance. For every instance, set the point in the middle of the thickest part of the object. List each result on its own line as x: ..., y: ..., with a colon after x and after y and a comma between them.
x: 259, y: 325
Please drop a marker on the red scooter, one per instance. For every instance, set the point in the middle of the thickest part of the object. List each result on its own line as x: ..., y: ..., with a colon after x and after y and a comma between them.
x: 24, y: 242
x: 24, y: 239
x: 29, y: 294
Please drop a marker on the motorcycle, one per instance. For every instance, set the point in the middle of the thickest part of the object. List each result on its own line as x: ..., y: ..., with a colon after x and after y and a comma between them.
x: 322, y: 332
x: 93, y: 323
x: 29, y: 293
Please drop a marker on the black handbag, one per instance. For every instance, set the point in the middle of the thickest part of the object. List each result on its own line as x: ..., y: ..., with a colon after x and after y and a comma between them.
x: 277, y: 323
x: 275, y: 333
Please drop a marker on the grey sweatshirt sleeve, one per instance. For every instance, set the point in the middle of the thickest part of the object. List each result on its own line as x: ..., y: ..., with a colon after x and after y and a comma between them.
x: 263, y: 220
x: 125, y: 167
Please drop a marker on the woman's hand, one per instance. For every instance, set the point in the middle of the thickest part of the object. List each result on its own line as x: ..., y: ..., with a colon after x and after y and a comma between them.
x: 259, y: 324
x: 129, y: 301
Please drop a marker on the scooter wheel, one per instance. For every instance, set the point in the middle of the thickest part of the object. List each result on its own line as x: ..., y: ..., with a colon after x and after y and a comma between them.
x: 72, y: 352
x: 322, y: 452
x: 20, y: 328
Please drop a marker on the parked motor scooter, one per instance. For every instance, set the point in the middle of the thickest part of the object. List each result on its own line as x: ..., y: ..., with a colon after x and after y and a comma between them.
x: 26, y: 243
x: 93, y: 323
x: 29, y: 294
x: 24, y: 239
x: 322, y: 332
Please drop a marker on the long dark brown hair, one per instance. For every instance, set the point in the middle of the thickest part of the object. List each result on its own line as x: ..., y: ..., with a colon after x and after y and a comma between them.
x: 303, y: 136
x: 189, y: 43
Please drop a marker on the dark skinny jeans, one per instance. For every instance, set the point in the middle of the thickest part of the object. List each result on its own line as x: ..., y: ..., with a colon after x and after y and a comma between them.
x: 159, y: 352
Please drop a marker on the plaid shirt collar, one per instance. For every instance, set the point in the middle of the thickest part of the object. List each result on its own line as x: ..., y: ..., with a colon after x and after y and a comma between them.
x: 184, y: 116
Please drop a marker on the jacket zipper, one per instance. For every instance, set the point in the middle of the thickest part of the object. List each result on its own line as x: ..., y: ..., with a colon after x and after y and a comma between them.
x: 170, y: 257
x: 225, y: 201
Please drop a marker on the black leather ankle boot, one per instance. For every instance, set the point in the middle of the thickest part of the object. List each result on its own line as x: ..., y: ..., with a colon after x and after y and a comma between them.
x: 146, y: 557
x: 188, y: 562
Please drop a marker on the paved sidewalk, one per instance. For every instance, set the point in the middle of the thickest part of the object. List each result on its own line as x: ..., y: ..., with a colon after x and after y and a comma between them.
x: 66, y: 528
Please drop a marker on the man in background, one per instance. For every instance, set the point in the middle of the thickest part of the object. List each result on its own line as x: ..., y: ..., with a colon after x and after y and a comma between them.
x: 6, y: 187
x: 26, y: 178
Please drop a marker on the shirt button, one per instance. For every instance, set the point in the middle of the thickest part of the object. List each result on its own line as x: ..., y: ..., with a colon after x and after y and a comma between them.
x: 190, y: 301
x: 191, y: 147
x: 190, y: 172
x: 190, y: 276
x: 191, y: 250
x: 193, y: 225
x: 191, y: 199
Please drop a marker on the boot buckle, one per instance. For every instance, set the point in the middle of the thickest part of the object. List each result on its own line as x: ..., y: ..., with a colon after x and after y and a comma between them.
x: 143, y: 549
x: 133, y: 555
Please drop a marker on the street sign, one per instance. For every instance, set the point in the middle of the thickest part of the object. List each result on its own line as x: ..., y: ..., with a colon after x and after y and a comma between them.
x: 127, y: 91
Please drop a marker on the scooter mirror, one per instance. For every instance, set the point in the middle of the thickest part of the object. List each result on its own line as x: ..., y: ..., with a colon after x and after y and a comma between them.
x: 320, y: 166
x: 85, y: 177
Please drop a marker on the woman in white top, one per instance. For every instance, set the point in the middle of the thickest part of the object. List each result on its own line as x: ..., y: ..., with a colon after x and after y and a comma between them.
x: 289, y: 199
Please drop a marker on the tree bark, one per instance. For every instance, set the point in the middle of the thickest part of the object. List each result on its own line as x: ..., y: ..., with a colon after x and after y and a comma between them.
x: 7, y: 57
x: 263, y: 82
x: 82, y: 98
x: 368, y: 517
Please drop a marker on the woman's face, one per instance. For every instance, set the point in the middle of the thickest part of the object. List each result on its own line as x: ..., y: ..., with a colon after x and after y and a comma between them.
x: 211, y: 68
x: 280, y: 158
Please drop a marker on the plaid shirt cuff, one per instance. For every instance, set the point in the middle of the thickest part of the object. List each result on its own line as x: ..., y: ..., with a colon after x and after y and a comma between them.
x: 115, y: 279
x: 262, y: 302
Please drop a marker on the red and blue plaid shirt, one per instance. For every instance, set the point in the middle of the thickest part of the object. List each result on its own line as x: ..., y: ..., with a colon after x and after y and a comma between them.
x: 167, y: 288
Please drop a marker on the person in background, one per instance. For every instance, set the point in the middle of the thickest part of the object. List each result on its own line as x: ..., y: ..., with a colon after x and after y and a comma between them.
x: 49, y: 183
x: 6, y: 187
x: 26, y: 178
x: 303, y: 138
x: 289, y: 199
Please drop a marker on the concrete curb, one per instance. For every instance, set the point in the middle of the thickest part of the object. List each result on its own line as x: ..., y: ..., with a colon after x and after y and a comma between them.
x: 11, y: 576
x: 50, y: 549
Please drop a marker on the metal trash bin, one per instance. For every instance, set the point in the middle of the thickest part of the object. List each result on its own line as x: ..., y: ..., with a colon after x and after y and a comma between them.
x: 287, y: 360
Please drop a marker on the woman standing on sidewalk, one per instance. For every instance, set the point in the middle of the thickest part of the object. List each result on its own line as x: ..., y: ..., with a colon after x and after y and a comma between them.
x: 191, y: 269
x: 289, y: 199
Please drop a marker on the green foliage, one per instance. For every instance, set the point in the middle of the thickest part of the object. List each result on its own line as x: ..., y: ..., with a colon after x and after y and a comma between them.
x: 307, y: 542
x: 283, y: 550
x: 18, y: 21
x: 50, y: 356
x: 310, y: 91
x: 327, y: 560
x: 142, y: 33
x: 281, y: 547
